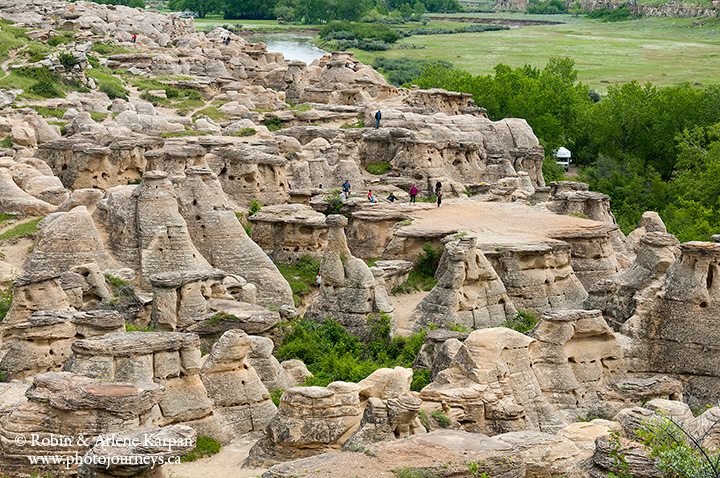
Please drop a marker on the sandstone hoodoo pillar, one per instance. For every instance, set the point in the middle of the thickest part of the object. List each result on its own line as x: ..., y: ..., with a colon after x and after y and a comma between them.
x: 163, y: 237
x: 222, y: 240
x: 349, y: 289
x: 677, y: 331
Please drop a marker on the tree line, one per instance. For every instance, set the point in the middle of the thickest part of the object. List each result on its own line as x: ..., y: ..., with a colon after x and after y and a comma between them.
x: 648, y: 148
x: 313, y: 11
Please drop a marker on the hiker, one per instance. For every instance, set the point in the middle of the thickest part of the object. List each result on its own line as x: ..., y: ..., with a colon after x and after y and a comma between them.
x: 318, y: 279
x: 227, y: 41
x: 346, y: 187
x: 371, y: 198
x: 378, y: 116
x: 439, y: 198
x: 134, y: 37
x: 413, y: 193
x: 392, y: 197
x: 438, y: 186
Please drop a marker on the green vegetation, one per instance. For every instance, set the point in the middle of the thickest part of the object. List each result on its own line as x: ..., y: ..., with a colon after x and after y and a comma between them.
x: 523, y: 322
x: 135, y: 328
x: 255, y: 206
x: 601, y: 50
x: 316, y: 11
x: 273, y: 124
x: 7, y: 142
x: 400, y: 71
x: 220, y: 317
x: 301, y: 276
x: 204, y: 446
x: 120, y: 288
x: 246, y: 132
x: 620, y: 14
x: 648, y: 148
x: 5, y: 218
x: 422, y: 277
x: 442, y: 420
x: 6, y: 298
x: 414, y: 473
x: 331, y: 353
x: 21, y: 230
x: 11, y: 38
x: 378, y: 168
x: 213, y: 113
x: 275, y: 396
x: 551, y: 7
x: 108, y: 83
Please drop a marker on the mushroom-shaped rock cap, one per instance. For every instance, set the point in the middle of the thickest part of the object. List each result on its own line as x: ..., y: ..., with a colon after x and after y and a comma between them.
x: 336, y: 220
x: 659, y: 239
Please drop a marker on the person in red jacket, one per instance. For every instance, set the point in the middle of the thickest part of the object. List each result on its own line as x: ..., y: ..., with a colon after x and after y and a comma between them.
x: 413, y: 193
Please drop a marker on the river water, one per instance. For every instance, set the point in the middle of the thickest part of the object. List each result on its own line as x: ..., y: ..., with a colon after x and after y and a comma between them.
x: 293, y: 46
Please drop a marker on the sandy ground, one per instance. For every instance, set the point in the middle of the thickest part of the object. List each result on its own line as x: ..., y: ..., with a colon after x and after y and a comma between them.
x: 404, y: 306
x: 226, y: 464
x: 498, y: 223
x: 14, y: 252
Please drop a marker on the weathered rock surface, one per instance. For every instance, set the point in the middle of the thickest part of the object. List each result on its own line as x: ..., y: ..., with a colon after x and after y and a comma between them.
x: 468, y: 293
x: 349, y: 290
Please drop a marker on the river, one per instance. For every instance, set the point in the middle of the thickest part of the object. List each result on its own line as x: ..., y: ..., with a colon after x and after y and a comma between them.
x: 293, y: 46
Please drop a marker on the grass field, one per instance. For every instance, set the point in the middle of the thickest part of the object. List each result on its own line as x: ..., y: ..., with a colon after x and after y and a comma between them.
x: 664, y: 51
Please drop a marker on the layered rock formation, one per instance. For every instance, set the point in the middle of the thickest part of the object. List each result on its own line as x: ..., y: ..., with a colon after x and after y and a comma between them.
x: 310, y: 420
x: 468, y: 293
x: 349, y: 290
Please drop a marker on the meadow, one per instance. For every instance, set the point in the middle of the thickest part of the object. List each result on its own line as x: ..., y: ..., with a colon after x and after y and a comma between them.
x: 664, y: 51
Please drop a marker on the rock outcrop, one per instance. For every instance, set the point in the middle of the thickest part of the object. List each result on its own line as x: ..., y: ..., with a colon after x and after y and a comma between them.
x: 349, y: 290
x: 468, y: 293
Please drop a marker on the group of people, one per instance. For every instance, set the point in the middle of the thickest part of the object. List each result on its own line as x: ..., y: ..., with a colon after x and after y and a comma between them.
x: 392, y: 198
x: 226, y: 41
x: 351, y: 66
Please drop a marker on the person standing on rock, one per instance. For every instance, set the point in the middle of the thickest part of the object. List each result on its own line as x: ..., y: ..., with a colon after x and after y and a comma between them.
x: 413, y: 193
x: 378, y: 117
x: 318, y: 279
x: 438, y: 187
x: 346, y: 188
x: 439, y: 197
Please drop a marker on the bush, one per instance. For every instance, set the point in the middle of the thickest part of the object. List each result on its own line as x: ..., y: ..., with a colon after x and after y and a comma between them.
x: 135, y: 328
x: 442, y: 420
x: 275, y: 396
x: 7, y: 142
x: 361, y: 31
x: 6, y: 298
x: 204, y: 446
x: 551, y: 7
x: 523, y: 322
x: 619, y: 14
x: 113, y: 90
x: 401, y: 71
x: 422, y: 277
x: 273, y: 124
x: 57, y: 40
x: 246, y: 132
x: 378, y: 168
x: 68, y: 60
x: 331, y: 353
x: 254, y: 207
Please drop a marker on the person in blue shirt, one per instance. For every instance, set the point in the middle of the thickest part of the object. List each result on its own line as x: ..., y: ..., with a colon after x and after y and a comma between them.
x: 346, y: 187
x: 378, y: 116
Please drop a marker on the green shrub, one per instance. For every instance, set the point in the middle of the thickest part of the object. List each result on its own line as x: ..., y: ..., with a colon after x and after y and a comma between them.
x: 193, y: 95
x: 301, y: 276
x: 619, y: 14
x: 275, y: 396
x: 523, y: 322
x: 135, y: 328
x: 68, y: 60
x: 7, y: 142
x: 378, y: 168
x: 429, y: 260
x: 255, y: 206
x: 6, y: 298
x: 551, y: 7
x: 172, y: 93
x: 221, y: 317
x: 442, y: 420
x: 246, y: 132
x: 113, y: 90
x: 273, y: 124
x: 204, y: 446
x: 57, y: 40
x: 360, y: 31
x: 331, y: 353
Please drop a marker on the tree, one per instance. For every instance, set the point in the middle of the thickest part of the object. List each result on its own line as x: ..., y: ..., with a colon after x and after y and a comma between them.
x: 201, y: 7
